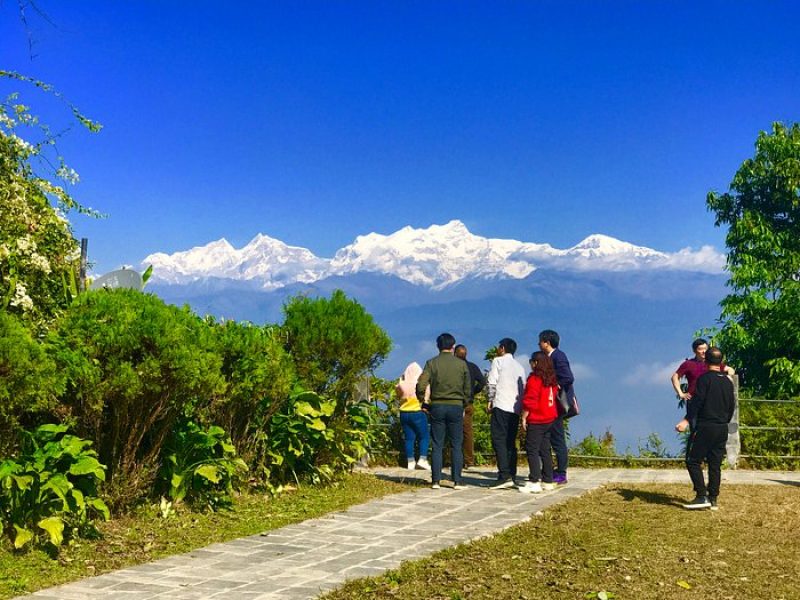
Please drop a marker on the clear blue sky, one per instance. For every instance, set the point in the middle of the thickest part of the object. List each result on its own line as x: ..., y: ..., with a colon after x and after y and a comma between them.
x: 314, y: 122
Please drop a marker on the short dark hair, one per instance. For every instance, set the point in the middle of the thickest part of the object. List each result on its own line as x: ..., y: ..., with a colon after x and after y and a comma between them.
x: 714, y: 356
x: 508, y: 345
x: 697, y: 343
x: 550, y: 336
x: 459, y: 347
x: 445, y: 341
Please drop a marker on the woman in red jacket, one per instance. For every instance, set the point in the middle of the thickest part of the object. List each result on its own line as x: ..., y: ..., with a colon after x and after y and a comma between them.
x: 538, y: 413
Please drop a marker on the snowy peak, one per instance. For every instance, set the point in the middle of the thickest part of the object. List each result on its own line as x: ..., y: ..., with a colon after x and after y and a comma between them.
x: 436, y: 257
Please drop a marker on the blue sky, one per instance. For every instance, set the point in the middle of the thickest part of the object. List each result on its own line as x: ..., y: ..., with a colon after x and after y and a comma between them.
x: 315, y: 122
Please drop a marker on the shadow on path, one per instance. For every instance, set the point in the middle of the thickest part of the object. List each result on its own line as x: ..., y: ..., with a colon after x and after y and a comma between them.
x: 785, y: 482
x: 651, y: 497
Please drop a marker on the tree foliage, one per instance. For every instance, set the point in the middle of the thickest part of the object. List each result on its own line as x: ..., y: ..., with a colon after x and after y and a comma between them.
x: 761, y: 314
x: 134, y: 366
x: 38, y: 252
x: 334, y: 342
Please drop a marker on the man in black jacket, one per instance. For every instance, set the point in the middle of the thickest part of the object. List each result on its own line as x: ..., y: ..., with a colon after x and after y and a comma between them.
x: 477, y: 382
x: 548, y: 342
x: 708, y: 414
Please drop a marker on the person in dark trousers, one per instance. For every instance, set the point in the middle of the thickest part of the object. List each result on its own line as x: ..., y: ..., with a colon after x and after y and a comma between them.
x: 448, y: 378
x: 708, y: 413
x: 548, y: 343
x: 505, y: 384
x: 477, y: 381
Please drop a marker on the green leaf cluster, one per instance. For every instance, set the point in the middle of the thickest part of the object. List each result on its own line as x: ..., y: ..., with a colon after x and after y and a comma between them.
x: 334, y: 343
x: 761, y: 315
x: 49, y: 491
x: 29, y: 382
x: 200, y: 466
x: 133, y: 365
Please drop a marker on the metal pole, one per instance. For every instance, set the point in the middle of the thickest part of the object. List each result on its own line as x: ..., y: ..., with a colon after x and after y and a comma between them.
x: 84, y: 261
x: 734, y: 444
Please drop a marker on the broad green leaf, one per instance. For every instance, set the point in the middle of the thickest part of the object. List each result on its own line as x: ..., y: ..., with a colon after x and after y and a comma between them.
x: 317, y: 424
x: 87, y: 465
x: 23, y: 481
x: 208, y: 472
x: 80, y: 501
x: 54, y: 527
x: 100, y: 507
x: 23, y: 537
x: 305, y: 409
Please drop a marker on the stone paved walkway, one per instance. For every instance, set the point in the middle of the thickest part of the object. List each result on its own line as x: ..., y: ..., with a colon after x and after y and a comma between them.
x: 309, y: 558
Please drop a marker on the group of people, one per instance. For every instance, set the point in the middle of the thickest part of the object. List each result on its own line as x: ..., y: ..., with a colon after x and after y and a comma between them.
x: 443, y: 392
x: 710, y: 404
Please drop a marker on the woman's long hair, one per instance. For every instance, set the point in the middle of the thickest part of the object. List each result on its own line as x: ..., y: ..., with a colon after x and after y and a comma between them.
x: 542, y: 367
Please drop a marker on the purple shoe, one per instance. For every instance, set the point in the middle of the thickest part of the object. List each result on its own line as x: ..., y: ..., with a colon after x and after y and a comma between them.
x: 559, y: 479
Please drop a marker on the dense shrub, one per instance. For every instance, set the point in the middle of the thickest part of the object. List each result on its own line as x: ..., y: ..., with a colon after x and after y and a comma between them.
x: 770, y: 448
x: 334, y: 343
x: 199, y: 466
x: 50, y: 489
x: 134, y: 365
x: 29, y: 383
x: 259, y: 376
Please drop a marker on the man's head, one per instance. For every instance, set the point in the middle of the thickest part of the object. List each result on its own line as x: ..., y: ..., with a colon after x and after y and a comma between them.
x: 714, y: 358
x: 445, y: 341
x: 548, y: 340
x: 460, y: 351
x: 507, y: 346
x: 699, y: 347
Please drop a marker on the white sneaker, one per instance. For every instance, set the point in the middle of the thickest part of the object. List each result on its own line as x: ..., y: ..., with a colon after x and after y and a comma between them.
x: 531, y: 487
x: 435, y: 486
x: 423, y: 464
x: 411, y: 464
x: 548, y: 486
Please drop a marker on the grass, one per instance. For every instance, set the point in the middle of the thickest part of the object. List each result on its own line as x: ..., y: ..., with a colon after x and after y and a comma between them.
x: 143, y: 535
x: 621, y: 542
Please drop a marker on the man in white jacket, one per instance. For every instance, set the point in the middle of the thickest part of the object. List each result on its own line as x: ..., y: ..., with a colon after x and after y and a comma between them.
x: 505, y: 385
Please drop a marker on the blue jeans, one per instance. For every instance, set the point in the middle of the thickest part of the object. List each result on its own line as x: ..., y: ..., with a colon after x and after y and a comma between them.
x: 415, y: 429
x: 558, y: 440
x: 447, y: 419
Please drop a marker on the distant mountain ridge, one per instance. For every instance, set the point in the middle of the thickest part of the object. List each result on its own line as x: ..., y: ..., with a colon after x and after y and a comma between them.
x: 434, y: 257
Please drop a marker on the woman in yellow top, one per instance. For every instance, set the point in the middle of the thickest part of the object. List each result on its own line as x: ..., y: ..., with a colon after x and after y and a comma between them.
x: 412, y: 419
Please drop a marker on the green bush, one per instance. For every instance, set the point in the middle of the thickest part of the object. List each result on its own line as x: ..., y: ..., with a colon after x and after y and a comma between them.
x: 133, y: 365
x: 259, y: 376
x: 334, y: 343
x: 29, y: 382
x: 50, y: 489
x: 296, y: 435
x: 767, y: 448
x: 200, y: 466
x: 592, y: 445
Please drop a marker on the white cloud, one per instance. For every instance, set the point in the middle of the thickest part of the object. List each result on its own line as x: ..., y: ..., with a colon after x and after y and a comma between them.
x: 582, y: 371
x: 655, y: 373
x: 707, y: 260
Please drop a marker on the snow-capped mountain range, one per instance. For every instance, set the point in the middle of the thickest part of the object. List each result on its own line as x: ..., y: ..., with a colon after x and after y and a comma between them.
x: 435, y: 257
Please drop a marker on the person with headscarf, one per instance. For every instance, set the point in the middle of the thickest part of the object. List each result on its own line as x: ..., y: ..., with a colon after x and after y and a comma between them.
x: 412, y: 419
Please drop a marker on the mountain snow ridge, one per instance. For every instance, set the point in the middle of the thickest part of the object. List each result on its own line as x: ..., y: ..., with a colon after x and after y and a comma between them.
x: 433, y: 257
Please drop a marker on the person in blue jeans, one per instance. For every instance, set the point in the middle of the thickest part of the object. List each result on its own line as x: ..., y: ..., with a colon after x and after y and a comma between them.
x: 449, y: 381
x: 413, y: 421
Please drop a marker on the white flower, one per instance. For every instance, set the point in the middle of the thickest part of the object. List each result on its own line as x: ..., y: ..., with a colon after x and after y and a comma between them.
x: 21, y: 298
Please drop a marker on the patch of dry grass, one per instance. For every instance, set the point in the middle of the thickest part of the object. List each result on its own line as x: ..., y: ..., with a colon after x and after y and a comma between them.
x: 631, y: 542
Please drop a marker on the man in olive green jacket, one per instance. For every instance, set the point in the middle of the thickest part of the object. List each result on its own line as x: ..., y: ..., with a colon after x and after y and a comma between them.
x: 449, y: 381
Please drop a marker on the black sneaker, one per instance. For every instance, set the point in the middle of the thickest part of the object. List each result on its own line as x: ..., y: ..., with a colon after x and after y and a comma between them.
x: 698, y: 502
x: 713, y: 502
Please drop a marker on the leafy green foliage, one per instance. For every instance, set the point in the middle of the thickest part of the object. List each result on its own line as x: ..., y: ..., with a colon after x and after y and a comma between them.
x: 200, y: 466
x: 259, y: 375
x: 768, y: 448
x: 49, y: 491
x: 761, y: 315
x: 593, y: 445
x: 334, y: 343
x: 38, y: 252
x: 297, y: 433
x: 29, y: 383
x: 134, y: 365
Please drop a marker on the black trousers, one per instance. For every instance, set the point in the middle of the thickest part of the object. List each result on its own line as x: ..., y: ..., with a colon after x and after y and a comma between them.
x: 504, y: 427
x: 537, y: 447
x: 706, y: 443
